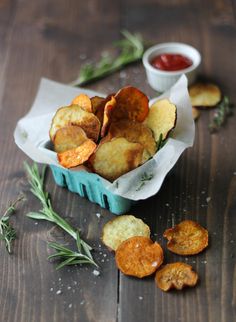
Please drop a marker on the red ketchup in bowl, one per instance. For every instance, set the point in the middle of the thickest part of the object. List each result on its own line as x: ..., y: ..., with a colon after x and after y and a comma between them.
x: 171, y: 62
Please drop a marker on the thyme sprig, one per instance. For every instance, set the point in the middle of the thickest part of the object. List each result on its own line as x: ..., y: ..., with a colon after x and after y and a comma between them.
x: 131, y: 50
x: 224, y: 110
x: 7, y: 231
x: 36, y: 180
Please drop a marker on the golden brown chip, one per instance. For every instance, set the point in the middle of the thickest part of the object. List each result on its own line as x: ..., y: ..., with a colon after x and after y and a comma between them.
x: 75, y: 115
x: 83, y: 101
x: 121, y: 228
x: 186, y: 238
x: 176, y: 275
x: 205, y: 95
x: 116, y: 157
x: 131, y: 104
x: 97, y: 103
x: 110, y: 105
x: 77, y: 156
x: 139, y: 256
x: 135, y: 132
x: 161, y: 118
x: 68, y: 138
x: 196, y: 113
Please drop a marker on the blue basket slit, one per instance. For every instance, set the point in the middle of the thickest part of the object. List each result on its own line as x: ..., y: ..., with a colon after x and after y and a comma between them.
x: 89, y: 185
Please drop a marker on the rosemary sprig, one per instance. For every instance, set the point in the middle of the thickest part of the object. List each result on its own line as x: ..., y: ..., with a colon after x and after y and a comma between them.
x: 70, y: 257
x: 36, y: 181
x: 131, y: 50
x: 7, y: 232
x: 224, y: 110
x: 160, y: 142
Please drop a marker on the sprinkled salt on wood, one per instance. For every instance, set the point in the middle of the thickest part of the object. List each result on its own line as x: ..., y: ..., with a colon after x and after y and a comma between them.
x: 140, y: 298
x: 58, y: 292
x: 208, y: 199
x: 70, y: 306
x: 98, y: 215
x: 96, y: 272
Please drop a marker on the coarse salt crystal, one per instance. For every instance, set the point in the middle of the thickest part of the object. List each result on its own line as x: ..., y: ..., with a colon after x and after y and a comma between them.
x: 98, y: 215
x: 140, y: 298
x: 96, y: 272
x: 208, y: 199
x: 154, y: 264
x: 58, y: 292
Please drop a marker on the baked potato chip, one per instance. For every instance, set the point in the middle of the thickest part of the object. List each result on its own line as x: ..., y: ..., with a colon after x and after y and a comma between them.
x: 109, y: 107
x: 121, y: 228
x: 83, y: 101
x: 175, y: 275
x: 97, y: 103
x: 116, y: 157
x: 161, y: 118
x: 75, y: 115
x: 68, y: 138
x: 135, y: 132
x: 196, y: 113
x: 131, y: 104
x: 186, y: 238
x: 204, y: 95
x: 77, y: 156
x: 138, y: 256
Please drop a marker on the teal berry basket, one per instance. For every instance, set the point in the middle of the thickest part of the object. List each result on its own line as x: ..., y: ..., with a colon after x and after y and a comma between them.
x: 89, y: 185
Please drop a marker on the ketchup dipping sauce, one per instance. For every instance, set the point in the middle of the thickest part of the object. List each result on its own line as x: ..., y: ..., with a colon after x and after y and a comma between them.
x: 171, y: 62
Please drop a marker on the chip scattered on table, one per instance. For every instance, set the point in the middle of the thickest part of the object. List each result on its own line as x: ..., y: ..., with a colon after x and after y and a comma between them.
x: 138, y: 256
x: 204, y: 95
x: 176, y: 275
x: 121, y: 228
x: 186, y: 238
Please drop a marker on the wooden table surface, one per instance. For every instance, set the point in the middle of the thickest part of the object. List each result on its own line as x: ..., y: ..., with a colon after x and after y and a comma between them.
x: 53, y: 39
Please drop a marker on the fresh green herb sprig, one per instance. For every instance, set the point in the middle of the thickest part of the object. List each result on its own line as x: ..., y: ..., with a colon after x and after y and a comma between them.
x: 160, y: 142
x: 224, y: 110
x: 131, y: 50
x: 7, y: 232
x: 144, y: 178
x: 68, y: 257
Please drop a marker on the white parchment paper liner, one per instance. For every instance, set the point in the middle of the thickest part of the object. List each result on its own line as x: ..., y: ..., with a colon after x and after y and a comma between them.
x: 31, y: 134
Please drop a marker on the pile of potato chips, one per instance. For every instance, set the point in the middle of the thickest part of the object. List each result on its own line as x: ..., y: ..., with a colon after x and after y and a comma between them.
x: 112, y: 135
x: 137, y: 255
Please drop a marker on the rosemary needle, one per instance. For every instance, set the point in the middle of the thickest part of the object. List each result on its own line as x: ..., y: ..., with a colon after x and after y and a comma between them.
x: 68, y: 257
x: 7, y: 232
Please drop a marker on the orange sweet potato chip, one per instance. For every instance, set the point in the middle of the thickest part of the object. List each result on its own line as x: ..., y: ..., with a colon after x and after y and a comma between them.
x: 77, y: 156
x: 131, y: 104
x: 186, y: 238
x: 176, y: 275
x: 109, y: 107
x: 138, y: 256
x: 83, y: 101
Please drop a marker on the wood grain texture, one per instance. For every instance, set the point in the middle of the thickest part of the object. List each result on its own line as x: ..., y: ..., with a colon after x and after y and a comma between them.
x: 52, y: 39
